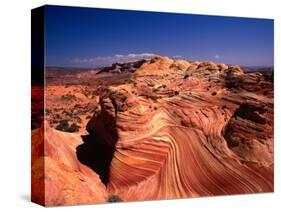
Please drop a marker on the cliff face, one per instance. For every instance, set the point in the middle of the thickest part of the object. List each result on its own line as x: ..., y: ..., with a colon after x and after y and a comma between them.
x: 176, y: 129
x: 186, y: 129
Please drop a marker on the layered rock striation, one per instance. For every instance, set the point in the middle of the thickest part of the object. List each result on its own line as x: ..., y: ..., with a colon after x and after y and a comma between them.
x: 176, y: 129
x: 187, y: 129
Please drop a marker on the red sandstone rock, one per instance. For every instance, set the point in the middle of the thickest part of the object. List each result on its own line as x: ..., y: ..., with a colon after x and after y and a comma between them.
x: 176, y: 129
x: 191, y: 137
x: 58, y: 178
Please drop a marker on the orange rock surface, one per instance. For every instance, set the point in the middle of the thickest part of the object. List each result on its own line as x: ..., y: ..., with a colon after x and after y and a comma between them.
x: 178, y: 136
x: 176, y: 129
x: 58, y: 178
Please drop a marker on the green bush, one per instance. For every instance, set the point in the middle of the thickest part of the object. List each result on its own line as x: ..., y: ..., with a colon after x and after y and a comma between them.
x: 73, y: 128
x: 114, y: 198
x: 64, y: 126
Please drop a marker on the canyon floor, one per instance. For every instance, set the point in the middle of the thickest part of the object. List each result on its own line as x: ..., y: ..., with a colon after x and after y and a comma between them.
x: 152, y: 129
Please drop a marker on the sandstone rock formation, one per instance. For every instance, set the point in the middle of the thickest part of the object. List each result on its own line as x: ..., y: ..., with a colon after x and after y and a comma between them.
x: 58, y: 178
x: 186, y: 129
x: 176, y: 129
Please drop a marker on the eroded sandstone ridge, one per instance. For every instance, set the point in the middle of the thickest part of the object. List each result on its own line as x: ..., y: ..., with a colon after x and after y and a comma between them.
x: 175, y: 129
x: 188, y: 129
x: 58, y: 178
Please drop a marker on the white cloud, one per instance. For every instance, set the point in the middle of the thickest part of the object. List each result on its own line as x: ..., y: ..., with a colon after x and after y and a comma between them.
x: 177, y: 56
x: 217, y: 57
x: 108, y: 60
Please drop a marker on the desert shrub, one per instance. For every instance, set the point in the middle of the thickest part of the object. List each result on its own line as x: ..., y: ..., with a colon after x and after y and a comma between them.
x: 73, y: 128
x: 64, y: 126
x: 114, y: 198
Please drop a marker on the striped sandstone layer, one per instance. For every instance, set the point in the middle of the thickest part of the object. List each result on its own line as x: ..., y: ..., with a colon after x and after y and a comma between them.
x: 184, y: 129
x: 176, y: 129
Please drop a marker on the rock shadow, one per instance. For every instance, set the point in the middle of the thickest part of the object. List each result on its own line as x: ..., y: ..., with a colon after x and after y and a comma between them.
x: 96, y: 154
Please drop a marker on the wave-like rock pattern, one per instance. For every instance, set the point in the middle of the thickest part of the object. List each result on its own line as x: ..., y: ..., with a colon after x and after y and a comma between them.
x: 186, y: 130
x: 176, y: 129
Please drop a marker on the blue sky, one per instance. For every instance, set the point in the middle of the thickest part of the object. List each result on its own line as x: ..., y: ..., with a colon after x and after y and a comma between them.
x: 87, y: 37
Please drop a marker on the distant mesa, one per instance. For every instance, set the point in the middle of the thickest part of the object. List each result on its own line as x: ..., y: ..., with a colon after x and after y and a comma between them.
x: 123, y: 67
